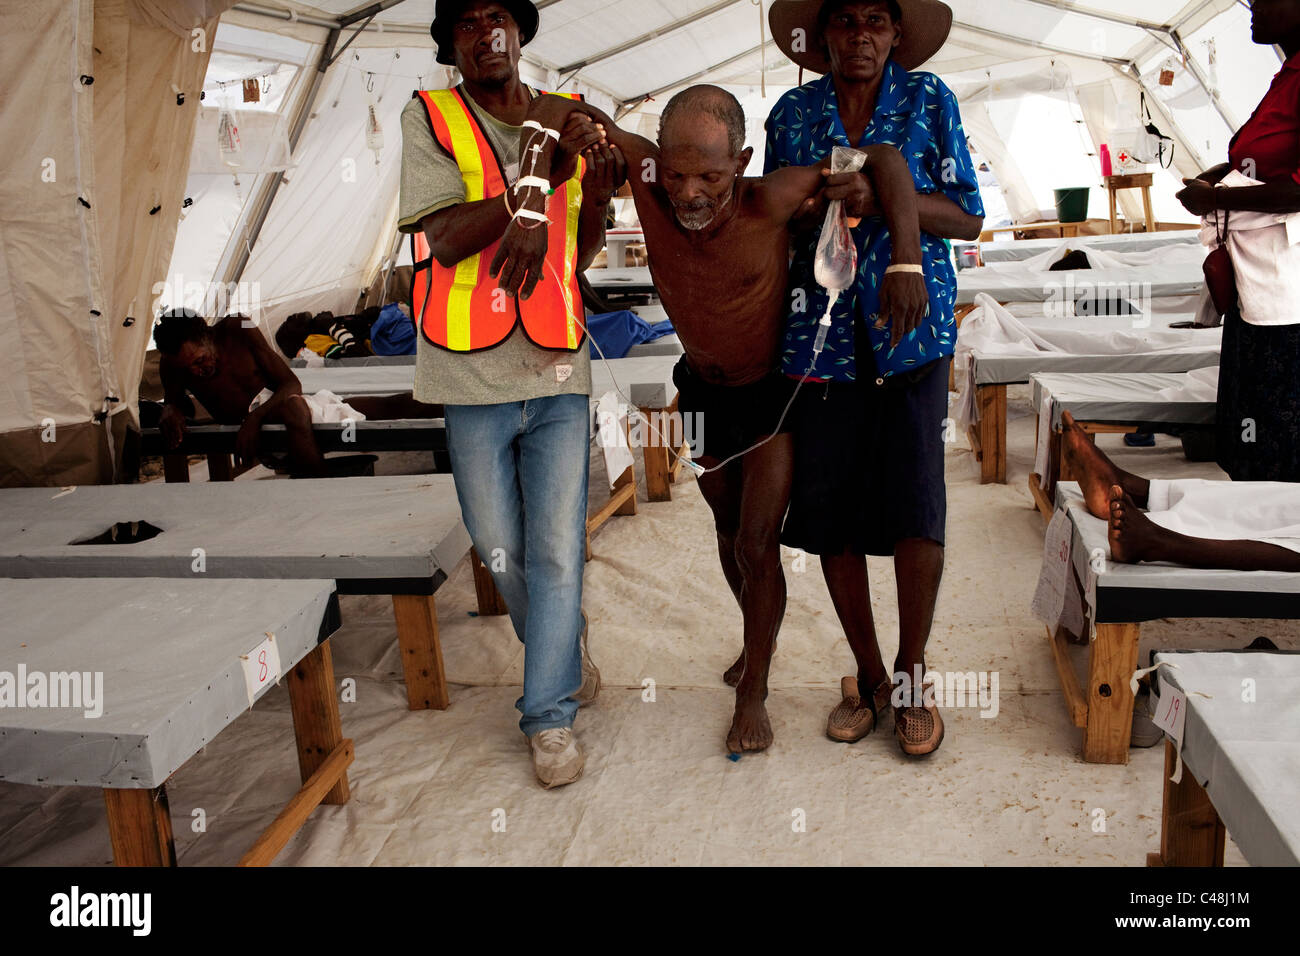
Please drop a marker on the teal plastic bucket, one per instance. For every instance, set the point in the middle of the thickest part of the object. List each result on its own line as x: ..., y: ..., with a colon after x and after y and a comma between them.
x: 1072, y: 204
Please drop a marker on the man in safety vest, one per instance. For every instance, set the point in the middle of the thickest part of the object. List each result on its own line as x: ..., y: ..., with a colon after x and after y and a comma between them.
x: 513, y: 375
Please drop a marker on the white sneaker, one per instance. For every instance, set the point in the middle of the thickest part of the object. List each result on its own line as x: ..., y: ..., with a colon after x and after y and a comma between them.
x: 590, y: 672
x: 557, y: 758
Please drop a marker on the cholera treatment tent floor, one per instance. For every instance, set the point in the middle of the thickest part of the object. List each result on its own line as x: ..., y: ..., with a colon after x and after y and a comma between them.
x: 456, y: 786
x: 122, y: 198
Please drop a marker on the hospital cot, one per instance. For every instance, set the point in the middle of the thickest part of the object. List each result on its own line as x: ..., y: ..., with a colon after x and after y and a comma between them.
x: 398, y: 536
x: 175, y: 663
x: 1119, y: 598
x: 1111, y: 403
x: 1240, y: 755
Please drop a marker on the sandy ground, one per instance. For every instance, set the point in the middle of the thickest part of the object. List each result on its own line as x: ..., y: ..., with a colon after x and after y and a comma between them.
x: 456, y: 787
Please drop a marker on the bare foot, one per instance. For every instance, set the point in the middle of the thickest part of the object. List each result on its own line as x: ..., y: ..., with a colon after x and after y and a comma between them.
x: 1133, y: 536
x: 731, y: 676
x: 750, y: 728
x: 1096, y: 473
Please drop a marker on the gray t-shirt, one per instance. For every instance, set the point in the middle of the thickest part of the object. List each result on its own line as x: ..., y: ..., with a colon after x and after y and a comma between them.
x: 516, y: 370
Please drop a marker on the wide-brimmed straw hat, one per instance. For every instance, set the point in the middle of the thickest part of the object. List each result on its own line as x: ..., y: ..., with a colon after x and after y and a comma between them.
x: 926, y: 24
x: 446, y: 12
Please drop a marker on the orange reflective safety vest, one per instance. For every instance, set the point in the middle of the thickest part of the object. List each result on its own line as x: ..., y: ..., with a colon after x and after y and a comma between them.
x: 461, y: 308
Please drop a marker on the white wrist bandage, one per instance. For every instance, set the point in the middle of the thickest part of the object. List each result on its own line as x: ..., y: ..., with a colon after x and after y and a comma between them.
x: 533, y: 124
x: 917, y: 270
x: 529, y: 214
x: 532, y: 182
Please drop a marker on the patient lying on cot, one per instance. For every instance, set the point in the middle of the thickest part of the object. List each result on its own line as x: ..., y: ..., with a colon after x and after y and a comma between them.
x: 1236, y: 526
x: 232, y: 370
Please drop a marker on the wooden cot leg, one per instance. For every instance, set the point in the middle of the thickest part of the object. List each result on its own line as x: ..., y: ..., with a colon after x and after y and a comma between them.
x: 417, y: 638
x: 176, y: 468
x: 628, y: 507
x: 992, y: 402
x: 140, y: 827
x: 1146, y: 209
x: 220, y: 467
x: 1110, y: 702
x: 1075, y: 703
x: 1191, y: 833
x: 654, y: 452
x: 316, y: 724
x: 295, y: 813
x: 490, y: 601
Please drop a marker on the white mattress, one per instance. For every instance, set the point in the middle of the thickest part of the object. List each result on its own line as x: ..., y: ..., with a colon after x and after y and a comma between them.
x: 1148, y: 282
x: 1166, y: 584
x: 1178, y: 398
x: 1012, y: 250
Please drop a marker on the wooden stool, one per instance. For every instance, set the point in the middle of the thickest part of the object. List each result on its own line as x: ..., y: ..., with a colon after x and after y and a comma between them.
x: 1140, y: 181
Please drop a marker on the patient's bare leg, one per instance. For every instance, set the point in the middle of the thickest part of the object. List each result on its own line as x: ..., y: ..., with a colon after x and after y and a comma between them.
x: 1096, y: 472
x: 1134, y: 537
x: 383, y: 408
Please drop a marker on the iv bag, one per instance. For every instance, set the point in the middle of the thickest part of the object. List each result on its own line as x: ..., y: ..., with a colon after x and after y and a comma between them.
x: 836, y: 260
x: 228, y: 139
x: 374, y: 133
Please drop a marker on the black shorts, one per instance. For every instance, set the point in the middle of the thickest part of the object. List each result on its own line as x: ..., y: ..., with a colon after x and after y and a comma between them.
x: 868, y: 463
x: 725, y: 420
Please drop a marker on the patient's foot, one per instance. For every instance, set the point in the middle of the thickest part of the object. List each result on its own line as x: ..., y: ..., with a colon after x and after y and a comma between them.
x: 1133, y: 536
x: 731, y: 676
x: 1096, y: 472
x: 750, y: 728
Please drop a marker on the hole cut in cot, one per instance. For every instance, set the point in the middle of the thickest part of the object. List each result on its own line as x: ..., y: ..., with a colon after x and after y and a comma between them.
x: 123, y: 532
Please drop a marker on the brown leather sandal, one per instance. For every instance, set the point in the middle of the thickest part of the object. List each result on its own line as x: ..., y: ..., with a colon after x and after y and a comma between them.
x: 919, y: 729
x: 852, y: 719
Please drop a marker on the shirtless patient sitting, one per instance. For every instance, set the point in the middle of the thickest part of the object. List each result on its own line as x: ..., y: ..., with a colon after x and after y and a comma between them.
x: 1268, y: 511
x: 227, y: 366
x: 718, y: 247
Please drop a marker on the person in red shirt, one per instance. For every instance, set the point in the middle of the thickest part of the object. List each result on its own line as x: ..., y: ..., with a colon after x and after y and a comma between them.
x: 1259, y: 398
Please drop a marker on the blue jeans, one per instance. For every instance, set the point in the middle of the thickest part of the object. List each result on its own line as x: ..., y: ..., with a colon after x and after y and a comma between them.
x: 521, y: 477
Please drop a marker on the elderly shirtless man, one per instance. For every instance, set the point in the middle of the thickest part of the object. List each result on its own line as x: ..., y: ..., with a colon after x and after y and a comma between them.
x: 718, y: 246
x: 228, y: 365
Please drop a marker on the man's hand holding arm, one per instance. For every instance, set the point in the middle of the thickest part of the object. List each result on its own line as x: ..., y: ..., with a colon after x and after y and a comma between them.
x: 903, y: 295
x: 606, y: 172
x: 519, y: 261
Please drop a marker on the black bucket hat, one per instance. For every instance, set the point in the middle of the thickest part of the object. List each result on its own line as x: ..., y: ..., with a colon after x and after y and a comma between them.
x: 447, y: 11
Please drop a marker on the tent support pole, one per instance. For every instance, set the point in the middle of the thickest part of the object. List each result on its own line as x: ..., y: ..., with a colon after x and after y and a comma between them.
x: 267, y: 196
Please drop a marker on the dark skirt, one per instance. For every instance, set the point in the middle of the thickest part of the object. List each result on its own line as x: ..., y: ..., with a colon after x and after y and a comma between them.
x: 868, y: 464
x: 1259, y: 401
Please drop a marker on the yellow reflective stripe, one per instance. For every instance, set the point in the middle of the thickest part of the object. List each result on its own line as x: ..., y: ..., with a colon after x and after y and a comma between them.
x: 574, y: 196
x: 465, y: 147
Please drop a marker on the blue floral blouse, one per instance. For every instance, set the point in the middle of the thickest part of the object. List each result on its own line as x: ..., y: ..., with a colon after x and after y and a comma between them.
x: 917, y: 114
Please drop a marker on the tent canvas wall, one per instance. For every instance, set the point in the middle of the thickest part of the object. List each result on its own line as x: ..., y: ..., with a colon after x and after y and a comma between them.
x: 96, y: 167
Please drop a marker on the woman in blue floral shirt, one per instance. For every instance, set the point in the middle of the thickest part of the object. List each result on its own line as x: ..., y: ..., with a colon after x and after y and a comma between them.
x: 870, y: 435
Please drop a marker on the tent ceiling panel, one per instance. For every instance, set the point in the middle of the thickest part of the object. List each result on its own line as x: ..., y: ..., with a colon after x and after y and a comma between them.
x: 643, y: 45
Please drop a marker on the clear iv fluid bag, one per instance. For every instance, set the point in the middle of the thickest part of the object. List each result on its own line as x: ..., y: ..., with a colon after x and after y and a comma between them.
x: 836, y: 260
x: 228, y: 139
x: 374, y: 132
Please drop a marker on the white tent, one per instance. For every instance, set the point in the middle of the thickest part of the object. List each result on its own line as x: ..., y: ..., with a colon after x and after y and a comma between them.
x: 306, y: 219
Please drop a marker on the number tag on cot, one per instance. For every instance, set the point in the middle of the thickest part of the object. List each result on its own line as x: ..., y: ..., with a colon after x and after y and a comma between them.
x: 261, y: 667
x: 1171, y: 713
x: 1056, y: 574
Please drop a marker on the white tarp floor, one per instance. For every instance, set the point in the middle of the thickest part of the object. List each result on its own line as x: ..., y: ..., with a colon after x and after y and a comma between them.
x: 659, y: 788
